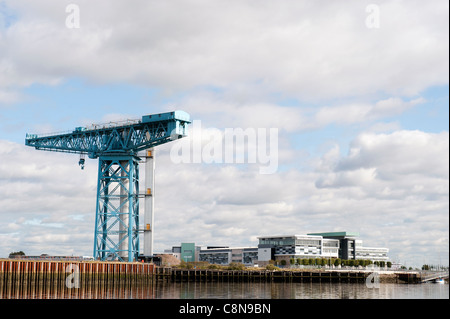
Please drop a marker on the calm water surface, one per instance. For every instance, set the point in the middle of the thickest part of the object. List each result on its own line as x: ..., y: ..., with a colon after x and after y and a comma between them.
x: 234, y: 290
x: 301, y: 291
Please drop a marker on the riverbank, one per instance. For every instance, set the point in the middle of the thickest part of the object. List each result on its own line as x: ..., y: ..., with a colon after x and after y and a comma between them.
x: 73, y: 273
x: 299, y: 275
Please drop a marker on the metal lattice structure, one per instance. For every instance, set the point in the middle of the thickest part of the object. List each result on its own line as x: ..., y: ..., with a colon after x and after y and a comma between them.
x: 116, y: 145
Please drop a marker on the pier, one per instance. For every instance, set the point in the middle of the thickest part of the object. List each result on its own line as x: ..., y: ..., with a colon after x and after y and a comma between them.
x: 181, y: 275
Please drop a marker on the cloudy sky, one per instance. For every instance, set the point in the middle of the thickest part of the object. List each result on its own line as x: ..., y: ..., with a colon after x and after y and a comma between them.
x: 356, y: 91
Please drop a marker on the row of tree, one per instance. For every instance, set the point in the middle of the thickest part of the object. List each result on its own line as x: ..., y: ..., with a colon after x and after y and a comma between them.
x: 332, y: 261
x: 434, y: 267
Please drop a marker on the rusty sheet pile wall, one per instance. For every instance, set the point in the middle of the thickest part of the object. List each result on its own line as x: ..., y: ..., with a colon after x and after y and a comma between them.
x: 60, y: 276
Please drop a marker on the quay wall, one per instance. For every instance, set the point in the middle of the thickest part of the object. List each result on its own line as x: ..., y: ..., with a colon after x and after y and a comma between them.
x: 179, y: 275
x: 84, y: 273
x: 77, y: 272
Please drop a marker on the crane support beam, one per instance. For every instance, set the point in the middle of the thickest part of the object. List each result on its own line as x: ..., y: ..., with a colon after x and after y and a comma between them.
x: 149, y: 203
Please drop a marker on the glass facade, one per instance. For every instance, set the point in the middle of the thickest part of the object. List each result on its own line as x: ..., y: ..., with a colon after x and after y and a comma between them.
x: 224, y: 256
x: 329, y: 245
x: 321, y: 245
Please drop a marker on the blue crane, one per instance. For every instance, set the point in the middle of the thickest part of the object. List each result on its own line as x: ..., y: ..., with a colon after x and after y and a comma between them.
x: 116, y: 145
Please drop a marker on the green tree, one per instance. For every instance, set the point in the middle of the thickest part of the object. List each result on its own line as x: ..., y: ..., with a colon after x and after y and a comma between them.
x: 236, y: 266
x: 272, y: 267
x: 16, y: 253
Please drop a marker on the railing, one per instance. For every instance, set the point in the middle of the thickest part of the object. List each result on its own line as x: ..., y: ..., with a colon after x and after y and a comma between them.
x: 90, y: 127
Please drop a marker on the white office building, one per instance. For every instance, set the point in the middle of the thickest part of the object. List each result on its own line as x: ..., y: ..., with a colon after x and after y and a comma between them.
x: 319, y: 245
x: 296, y: 246
x: 226, y: 255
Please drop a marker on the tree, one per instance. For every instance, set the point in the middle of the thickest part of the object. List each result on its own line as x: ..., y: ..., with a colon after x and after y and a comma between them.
x: 16, y: 253
x: 272, y: 267
x: 236, y: 266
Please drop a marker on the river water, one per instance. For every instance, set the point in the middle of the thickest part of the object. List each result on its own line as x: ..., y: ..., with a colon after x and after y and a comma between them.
x: 234, y: 290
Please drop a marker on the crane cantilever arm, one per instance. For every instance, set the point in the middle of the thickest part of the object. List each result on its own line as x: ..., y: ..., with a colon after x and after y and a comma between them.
x: 152, y: 130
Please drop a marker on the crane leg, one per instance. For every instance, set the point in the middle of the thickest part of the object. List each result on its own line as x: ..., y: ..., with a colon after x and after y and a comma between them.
x: 117, y: 212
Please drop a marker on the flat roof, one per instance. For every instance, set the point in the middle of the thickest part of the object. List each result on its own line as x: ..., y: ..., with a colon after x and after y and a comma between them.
x: 227, y: 249
x: 336, y: 234
x: 288, y: 236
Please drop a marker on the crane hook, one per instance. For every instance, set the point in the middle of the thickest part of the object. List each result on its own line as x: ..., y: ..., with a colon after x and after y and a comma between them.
x: 81, y: 161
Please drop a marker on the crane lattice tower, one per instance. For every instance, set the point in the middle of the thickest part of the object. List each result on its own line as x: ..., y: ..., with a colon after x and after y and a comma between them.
x: 116, y: 145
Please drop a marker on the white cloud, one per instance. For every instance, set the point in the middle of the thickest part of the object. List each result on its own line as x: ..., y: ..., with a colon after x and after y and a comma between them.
x: 41, y: 192
x: 224, y: 204
x: 297, y: 49
x: 237, y: 62
x: 348, y: 192
x: 399, y: 153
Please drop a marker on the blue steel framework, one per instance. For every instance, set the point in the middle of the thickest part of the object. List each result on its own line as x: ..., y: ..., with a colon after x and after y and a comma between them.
x: 117, y: 212
x: 117, y: 217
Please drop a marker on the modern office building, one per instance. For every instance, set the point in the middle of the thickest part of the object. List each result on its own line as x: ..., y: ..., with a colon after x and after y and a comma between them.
x: 342, y: 245
x: 295, y: 246
x: 352, y: 248
x: 224, y: 256
x: 187, y: 252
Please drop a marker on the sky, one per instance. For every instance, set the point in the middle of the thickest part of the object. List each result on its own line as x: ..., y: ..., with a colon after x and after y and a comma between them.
x: 348, y: 102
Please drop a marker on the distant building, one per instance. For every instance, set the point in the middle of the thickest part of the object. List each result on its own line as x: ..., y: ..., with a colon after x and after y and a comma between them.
x: 224, y: 256
x: 318, y: 245
x: 352, y: 248
x: 342, y: 245
x: 187, y: 252
x: 295, y: 246
x: 49, y: 257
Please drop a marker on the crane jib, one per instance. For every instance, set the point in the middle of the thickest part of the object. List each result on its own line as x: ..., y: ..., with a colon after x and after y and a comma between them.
x: 129, y: 137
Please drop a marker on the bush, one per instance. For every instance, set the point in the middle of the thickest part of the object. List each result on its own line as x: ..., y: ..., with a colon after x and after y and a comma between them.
x: 272, y: 267
x: 236, y: 266
x: 213, y: 266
